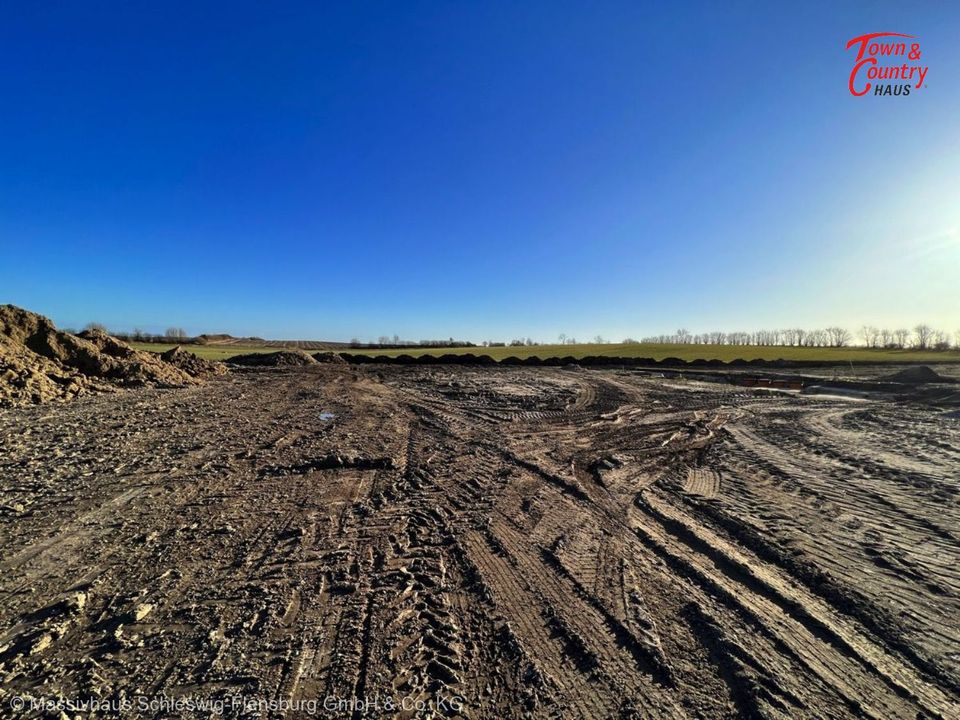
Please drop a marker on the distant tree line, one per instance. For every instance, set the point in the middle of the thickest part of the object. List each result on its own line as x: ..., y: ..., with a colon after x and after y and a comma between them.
x: 172, y: 335
x: 395, y: 343
x: 517, y: 342
x: 385, y: 342
x: 920, y: 337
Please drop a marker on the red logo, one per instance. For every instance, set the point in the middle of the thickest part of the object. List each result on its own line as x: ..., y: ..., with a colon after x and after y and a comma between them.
x: 883, y: 57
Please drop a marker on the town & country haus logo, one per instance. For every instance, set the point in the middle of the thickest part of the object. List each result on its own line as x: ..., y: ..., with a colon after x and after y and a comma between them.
x: 886, y: 65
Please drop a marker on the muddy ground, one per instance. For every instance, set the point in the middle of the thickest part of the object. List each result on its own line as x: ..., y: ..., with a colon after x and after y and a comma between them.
x: 485, y: 543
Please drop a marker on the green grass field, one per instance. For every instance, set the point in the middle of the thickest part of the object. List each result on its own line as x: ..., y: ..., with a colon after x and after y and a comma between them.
x: 657, y: 352
x: 208, y: 352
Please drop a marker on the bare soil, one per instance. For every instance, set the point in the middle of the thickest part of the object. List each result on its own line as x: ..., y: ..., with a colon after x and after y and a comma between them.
x: 481, y: 542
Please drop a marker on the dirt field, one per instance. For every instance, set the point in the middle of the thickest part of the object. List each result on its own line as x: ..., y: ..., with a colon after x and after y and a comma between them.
x: 486, y: 543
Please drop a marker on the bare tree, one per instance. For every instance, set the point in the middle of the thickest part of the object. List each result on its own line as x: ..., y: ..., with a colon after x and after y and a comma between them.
x: 922, y: 334
x: 175, y: 334
x: 838, y: 336
x: 767, y: 337
x: 900, y: 337
x: 95, y: 326
x: 940, y: 340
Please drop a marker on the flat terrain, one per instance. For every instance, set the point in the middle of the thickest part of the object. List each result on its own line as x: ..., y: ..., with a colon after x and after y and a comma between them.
x: 485, y: 543
x: 657, y: 352
x: 692, y: 352
x: 207, y: 352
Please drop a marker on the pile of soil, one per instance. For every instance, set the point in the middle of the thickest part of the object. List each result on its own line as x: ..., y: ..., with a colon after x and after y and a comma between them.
x: 281, y: 358
x: 191, y: 364
x: 329, y: 357
x: 917, y: 376
x: 125, y: 366
x: 26, y: 377
x: 40, y: 363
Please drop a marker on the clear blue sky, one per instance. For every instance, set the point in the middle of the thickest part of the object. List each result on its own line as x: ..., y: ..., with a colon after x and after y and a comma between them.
x: 476, y: 169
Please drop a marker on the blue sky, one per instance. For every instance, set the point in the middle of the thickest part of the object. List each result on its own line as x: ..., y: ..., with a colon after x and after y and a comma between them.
x: 475, y: 169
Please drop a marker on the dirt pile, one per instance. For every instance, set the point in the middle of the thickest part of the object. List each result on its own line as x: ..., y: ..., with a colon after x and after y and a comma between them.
x: 40, y: 363
x: 26, y: 377
x: 191, y: 364
x: 281, y: 358
x: 329, y: 357
x: 210, y: 338
x: 127, y: 367
x: 917, y: 376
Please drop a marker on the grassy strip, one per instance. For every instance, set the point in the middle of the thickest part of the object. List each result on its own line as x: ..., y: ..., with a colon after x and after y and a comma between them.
x: 207, y: 352
x: 657, y: 352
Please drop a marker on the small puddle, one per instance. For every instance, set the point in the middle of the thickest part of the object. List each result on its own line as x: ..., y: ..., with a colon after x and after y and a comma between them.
x: 327, y: 416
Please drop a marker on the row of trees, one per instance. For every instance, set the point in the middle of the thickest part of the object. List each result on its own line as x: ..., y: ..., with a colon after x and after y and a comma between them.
x: 385, y: 342
x: 796, y: 337
x: 921, y: 337
x: 172, y: 334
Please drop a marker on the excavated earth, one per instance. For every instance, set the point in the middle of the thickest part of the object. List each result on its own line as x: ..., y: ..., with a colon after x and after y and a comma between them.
x: 39, y: 363
x: 373, y: 541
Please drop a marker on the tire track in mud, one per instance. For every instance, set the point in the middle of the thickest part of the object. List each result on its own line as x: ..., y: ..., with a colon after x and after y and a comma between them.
x: 856, y: 518
x: 834, y: 680
x: 780, y: 597
x: 703, y: 482
x: 536, y: 541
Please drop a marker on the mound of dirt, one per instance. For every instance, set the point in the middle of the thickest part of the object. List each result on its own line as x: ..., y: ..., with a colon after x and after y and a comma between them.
x: 281, y: 358
x: 917, y: 376
x: 329, y: 357
x: 191, y: 364
x: 26, y: 377
x: 40, y: 363
x: 125, y: 366
x: 210, y: 338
